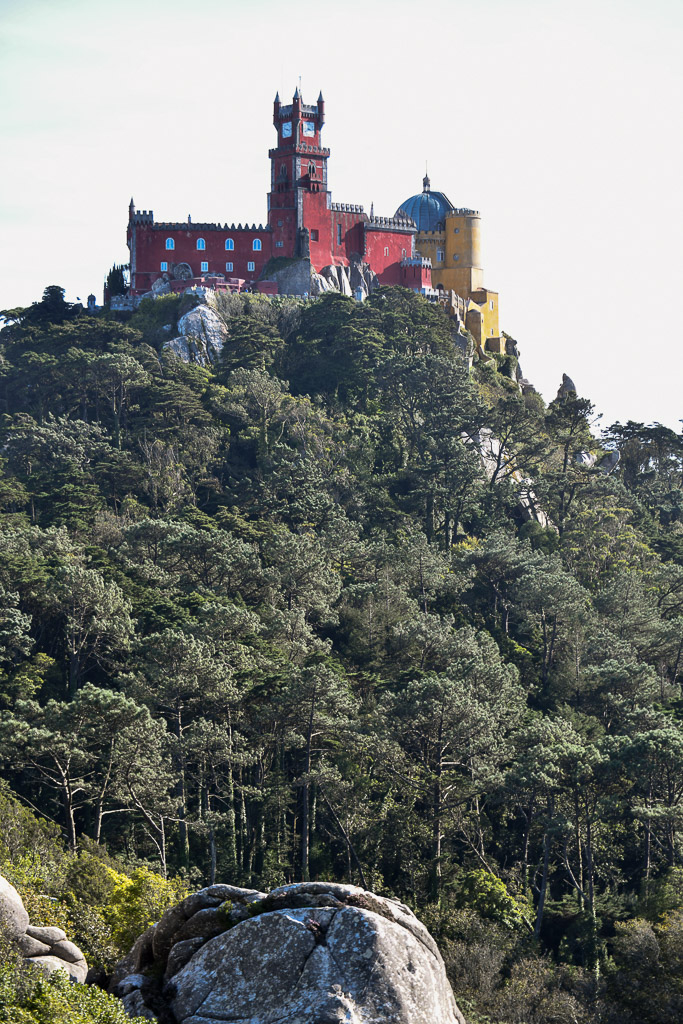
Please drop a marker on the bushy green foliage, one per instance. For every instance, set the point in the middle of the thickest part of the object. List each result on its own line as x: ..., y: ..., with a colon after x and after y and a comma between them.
x: 136, y: 902
x: 26, y: 997
x: 487, y: 895
x: 288, y: 616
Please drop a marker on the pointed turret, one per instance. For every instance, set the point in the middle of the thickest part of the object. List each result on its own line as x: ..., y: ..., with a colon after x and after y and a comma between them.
x: 321, y: 109
x: 131, y: 209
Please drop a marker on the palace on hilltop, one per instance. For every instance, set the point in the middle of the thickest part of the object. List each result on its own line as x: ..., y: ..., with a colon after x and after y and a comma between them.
x: 428, y: 245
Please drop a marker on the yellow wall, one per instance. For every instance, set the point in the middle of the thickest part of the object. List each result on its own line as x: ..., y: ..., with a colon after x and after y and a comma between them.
x: 461, y: 271
x: 488, y: 303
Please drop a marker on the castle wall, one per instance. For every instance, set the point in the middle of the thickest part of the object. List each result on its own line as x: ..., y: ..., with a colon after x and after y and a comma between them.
x: 416, y: 273
x: 345, y: 232
x: 490, y: 326
x: 384, y: 250
x: 151, y: 251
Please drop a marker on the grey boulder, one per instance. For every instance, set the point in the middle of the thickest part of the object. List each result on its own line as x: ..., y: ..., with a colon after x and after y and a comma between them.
x: 13, y: 916
x: 45, y: 948
x: 201, y: 336
x: 314, y: 953
x: 48, y: 964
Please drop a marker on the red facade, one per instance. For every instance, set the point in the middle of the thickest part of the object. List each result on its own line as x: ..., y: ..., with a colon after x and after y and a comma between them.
x: 302, y: 222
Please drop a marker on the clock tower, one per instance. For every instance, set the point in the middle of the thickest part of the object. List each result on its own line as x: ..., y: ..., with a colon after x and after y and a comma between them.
x: 298, y: 201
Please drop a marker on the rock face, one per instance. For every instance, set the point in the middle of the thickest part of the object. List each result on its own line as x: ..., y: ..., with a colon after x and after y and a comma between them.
x: 201, y: 336
x: 567, y: 387
x: 313, y: 953
x: 45, y: 948
x: 299, y: 278
x: 356, y: 280
x: 294, y: 278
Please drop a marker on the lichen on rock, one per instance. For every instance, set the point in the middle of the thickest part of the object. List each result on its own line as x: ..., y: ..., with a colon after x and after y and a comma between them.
x: 314, y: 952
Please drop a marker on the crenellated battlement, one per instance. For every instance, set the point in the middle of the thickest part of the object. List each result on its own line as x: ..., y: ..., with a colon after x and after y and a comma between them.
x: 416, y: 261
x: 391, y: 224
x: 193, y: 226
x: 346, y: 208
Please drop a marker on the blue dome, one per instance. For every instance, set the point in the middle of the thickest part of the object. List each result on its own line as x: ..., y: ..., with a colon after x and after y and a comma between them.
x: 428, y: 209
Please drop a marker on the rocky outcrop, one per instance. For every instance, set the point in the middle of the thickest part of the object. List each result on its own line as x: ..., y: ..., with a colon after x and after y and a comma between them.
x: 567, y: 387
x: 293, y: 277
x: 201, y: 336
x: 313, y: 953
x: 45, y: 948
x: 297, y: 277
x: 356, y: 280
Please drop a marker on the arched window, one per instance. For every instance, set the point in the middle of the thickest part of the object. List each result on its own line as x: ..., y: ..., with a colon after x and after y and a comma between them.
x: 201, y: 244
x: 229, y: 244
x: 256, y: 244
x: 170, y: 244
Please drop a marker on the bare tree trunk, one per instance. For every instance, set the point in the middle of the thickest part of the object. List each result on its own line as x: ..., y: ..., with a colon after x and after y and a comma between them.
x: 305, y: 838
x: 544, y: 877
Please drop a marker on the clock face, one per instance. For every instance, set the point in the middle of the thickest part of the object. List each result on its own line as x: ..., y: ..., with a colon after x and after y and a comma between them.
x: 286, y: 129
x: 309, y: 128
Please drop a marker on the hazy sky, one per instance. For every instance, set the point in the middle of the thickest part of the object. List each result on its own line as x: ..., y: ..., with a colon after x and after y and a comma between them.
x: 559, y: 121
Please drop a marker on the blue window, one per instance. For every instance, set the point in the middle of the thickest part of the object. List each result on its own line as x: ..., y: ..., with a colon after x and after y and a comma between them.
x: 205, y: 267
x: 256, y: 244
x: 170, y: 244
x: 279, y: 245
x: 164, y: 265
x: 228, y: 266
x: 201, y: 244
x: 251, y: 266
x: 229, y: 244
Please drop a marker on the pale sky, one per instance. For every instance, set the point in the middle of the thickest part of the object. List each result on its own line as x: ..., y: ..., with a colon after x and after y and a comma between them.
x: 559, y: 121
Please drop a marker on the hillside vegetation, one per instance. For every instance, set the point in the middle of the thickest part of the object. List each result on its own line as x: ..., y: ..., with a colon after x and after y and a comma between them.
x: 274, y: 621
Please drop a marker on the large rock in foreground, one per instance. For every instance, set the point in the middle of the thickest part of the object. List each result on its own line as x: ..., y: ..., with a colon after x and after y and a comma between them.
x: 313, y: 953
x: 45, y: 948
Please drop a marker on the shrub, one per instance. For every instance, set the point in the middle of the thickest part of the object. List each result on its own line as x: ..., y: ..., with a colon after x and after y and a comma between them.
x: 27, y: 997
x: 139, y: 901
x: 483, y: 892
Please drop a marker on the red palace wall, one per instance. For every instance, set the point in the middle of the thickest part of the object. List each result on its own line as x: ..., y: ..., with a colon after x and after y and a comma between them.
x: 151, y: 251
x: 416, y: 274
x: 384, y: 251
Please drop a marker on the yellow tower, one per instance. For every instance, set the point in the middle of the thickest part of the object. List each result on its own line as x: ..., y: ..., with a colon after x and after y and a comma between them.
x: 451, y: 238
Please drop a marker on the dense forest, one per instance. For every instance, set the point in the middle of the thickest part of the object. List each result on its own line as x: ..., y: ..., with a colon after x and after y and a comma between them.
x: 277, y: 619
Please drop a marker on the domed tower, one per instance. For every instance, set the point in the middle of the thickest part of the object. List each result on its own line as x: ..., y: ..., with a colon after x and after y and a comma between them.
x: 451, y: 237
